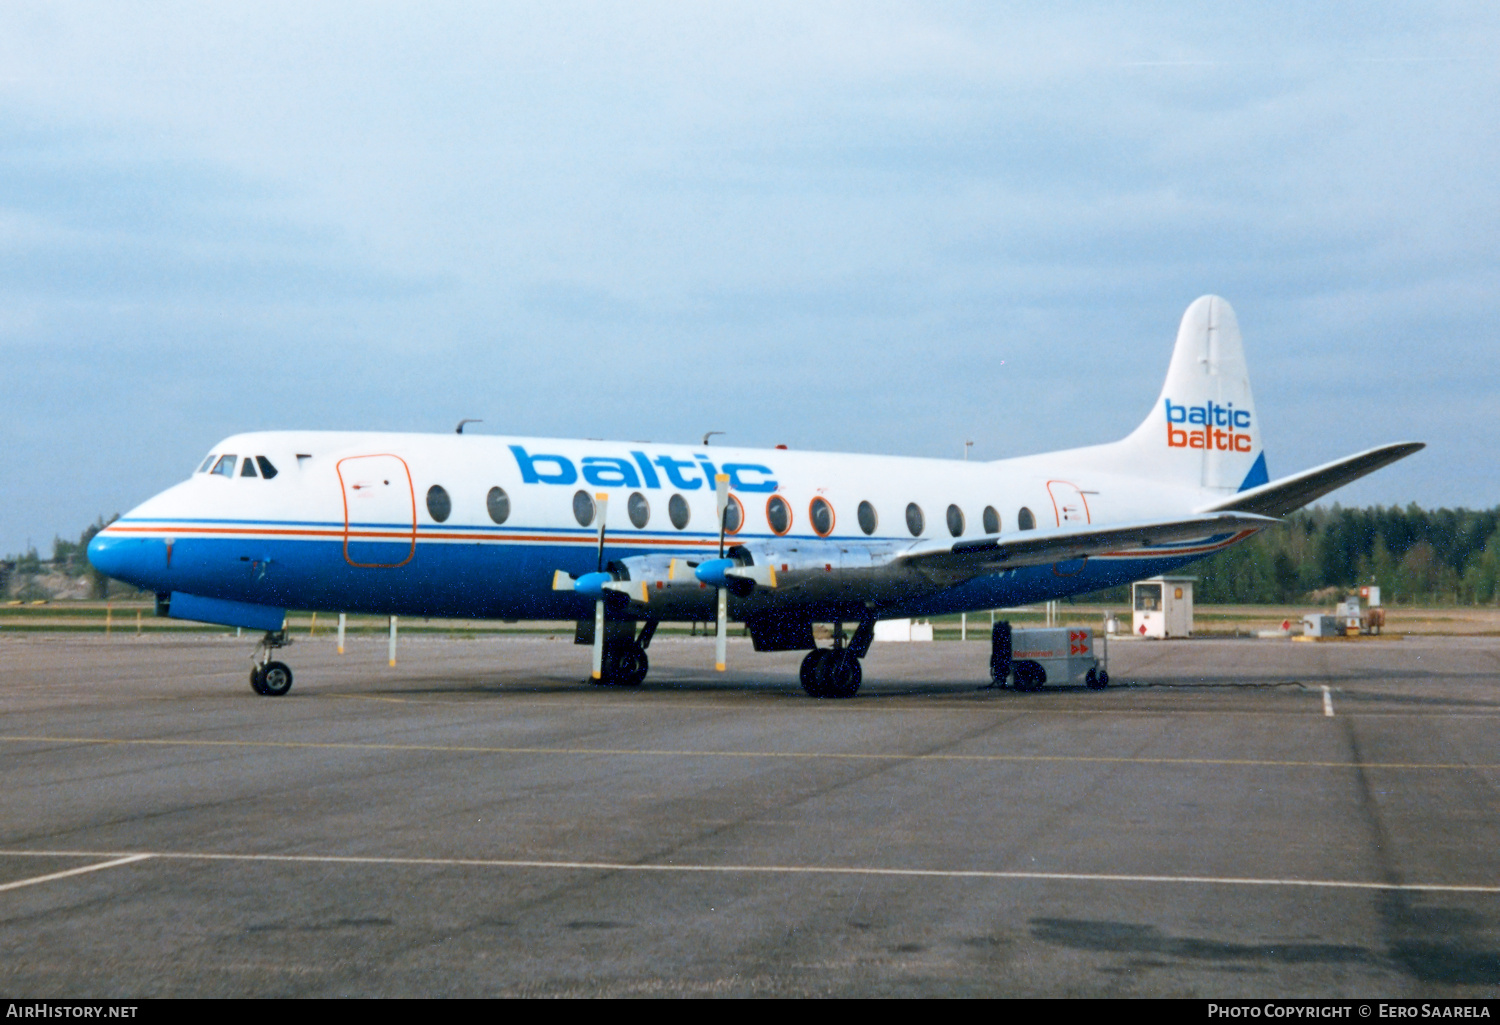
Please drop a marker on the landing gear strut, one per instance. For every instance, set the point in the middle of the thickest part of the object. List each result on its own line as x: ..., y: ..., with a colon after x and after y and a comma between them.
x: 269, y: 678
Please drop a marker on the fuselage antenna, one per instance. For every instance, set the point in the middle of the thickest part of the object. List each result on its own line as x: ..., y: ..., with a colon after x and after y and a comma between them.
x: 470, y: 420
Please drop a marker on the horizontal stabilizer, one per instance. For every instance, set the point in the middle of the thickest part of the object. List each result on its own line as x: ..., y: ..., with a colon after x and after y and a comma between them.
x: 1291, y: 493
x: 960, y: 560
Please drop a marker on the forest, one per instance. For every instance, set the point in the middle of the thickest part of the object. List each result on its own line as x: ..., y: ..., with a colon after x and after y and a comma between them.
x: 1416, y: 556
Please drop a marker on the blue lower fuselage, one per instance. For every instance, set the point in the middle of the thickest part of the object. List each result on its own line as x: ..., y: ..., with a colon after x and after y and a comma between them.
x: 492, y: 577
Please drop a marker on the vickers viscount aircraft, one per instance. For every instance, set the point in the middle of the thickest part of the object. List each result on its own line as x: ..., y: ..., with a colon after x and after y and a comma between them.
x: 620, y: 537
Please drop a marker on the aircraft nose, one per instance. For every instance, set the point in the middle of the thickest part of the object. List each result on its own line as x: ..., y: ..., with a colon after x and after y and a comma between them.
x: 124, y: 558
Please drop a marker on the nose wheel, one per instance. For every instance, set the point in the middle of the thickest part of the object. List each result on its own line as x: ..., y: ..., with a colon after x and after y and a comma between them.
x: 269, y: 678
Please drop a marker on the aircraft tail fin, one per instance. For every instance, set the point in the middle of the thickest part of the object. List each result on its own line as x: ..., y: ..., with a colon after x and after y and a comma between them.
x: 1203, y: 431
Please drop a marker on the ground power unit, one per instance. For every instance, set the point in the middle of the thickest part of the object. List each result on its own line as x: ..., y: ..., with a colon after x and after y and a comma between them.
x: 1026, y: 659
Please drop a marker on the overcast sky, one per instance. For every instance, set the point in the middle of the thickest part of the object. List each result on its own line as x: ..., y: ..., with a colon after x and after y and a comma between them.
x: 865, y: 227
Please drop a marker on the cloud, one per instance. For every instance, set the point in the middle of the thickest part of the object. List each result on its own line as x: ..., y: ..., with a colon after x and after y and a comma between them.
x: 822, y: 225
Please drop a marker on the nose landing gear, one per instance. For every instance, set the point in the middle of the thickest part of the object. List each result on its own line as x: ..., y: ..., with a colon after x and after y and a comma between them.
x: 269, y: 678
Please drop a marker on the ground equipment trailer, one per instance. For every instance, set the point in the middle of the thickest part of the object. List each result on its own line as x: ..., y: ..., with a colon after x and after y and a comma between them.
x: 1028, y: 658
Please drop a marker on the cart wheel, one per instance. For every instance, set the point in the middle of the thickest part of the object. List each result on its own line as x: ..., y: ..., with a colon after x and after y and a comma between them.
x: 1030, y: 676
x: 1096, y: 680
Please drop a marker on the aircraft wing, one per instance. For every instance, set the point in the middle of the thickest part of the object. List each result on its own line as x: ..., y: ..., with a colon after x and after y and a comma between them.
x: 960, y: 560
x: 1291, y: 493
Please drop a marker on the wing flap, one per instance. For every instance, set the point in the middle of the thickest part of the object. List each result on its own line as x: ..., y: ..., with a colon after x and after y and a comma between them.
x: 958, y: 560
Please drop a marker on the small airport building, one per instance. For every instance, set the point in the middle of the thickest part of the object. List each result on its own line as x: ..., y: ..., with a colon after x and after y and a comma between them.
x: 1163, y: 607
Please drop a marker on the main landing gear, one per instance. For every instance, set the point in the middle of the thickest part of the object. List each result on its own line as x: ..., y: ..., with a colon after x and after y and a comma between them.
x: 268, y: 678
x: 625, y: 664
x: 834, y: 672
x: 625, y: 661
x: 831, y: 673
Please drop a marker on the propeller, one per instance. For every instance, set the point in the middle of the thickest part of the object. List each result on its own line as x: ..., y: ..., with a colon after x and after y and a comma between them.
x: 721, y: 642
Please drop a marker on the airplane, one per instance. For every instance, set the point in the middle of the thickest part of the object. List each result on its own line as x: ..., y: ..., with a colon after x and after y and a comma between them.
x: 619, y: 537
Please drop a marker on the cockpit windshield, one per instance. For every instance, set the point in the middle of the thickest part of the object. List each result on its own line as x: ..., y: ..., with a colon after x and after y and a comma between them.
x: 225, y: 466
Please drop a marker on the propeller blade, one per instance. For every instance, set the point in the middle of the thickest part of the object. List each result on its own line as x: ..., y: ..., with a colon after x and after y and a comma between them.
x: 721, y: 642
x: 599, y: 639
x: 603, y: 501
x: 721, y: 496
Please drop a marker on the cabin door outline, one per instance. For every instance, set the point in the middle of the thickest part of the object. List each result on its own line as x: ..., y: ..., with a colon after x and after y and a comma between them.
x: 380, y: 509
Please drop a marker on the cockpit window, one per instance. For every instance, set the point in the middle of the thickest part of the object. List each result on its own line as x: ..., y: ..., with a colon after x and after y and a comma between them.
x: 266, y: 469
x: 225, y: 466
x: 248, y: 470
x: 206, y: 463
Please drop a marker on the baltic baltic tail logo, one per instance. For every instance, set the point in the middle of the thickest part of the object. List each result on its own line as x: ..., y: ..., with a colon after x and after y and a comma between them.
x: 1209, y: 426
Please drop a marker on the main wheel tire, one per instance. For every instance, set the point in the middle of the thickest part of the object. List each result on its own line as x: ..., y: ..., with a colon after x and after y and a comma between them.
x: 625, y: 664
x: 255, y: 681
x: 275, y: 679
x: 813, y: 674
x: 842, y: 673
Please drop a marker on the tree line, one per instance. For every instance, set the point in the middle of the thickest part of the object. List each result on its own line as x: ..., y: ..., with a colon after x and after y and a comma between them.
x: 1416, y: 556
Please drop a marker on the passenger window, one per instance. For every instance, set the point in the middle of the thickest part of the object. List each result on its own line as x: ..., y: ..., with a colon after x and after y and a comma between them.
x: 991, y: 520
x: 248, y: 470
x: 1024, y: 519
x: 915, y: 521
x: 583, y: 508
x: 821, y: 514
x: 225, y: 466
x: 206, y: 463
x: 868, y: 521
x: 639, y: 509
x: 266, y: 469
x: 498, y: 504
x: 678, y: 511
x: 778, y: 515
x: 955, y: 521
x: 439, y: 505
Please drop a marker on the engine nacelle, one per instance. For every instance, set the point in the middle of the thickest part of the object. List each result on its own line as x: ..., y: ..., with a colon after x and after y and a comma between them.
x: 761, y: 575
x: 807, y: 569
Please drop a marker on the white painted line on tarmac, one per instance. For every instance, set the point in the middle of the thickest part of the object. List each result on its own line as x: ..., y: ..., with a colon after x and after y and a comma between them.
x: 832, y: 870
x: 835, y: 756
x: 34, y: 880
x: 1327, y: 703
